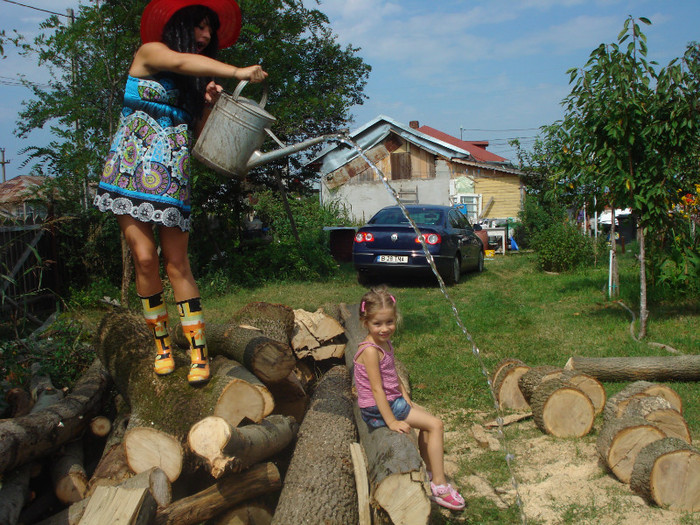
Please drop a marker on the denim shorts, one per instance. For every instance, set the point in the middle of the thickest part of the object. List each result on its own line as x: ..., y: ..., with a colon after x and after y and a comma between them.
x: 374, y: 419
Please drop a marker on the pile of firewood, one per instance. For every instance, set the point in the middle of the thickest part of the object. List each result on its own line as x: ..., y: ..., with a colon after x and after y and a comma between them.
x: 271, y: 438
x: 644, y: 439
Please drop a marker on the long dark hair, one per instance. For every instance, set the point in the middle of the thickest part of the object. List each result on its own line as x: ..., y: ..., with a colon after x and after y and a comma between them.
x: 178, y: 35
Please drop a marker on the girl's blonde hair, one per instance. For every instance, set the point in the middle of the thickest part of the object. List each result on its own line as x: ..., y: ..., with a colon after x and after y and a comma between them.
x: 377, y: 299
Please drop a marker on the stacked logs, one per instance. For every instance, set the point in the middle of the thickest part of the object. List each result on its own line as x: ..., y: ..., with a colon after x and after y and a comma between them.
x: 210, y: 446
x: 564, y: 403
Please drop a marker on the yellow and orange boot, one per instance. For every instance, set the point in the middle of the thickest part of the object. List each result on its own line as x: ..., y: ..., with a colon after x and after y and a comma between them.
x: 157, y: 320
x: 192, y: 322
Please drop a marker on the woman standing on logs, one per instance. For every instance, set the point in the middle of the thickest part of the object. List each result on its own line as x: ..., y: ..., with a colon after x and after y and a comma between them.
x: 383, y: 400
x: 169, y: 93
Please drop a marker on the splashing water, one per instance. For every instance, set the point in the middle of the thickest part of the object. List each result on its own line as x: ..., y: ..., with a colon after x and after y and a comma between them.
x: 509, y: 457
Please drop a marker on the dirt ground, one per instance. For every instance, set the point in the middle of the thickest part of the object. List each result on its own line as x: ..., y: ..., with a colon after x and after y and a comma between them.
x: 559, y: 480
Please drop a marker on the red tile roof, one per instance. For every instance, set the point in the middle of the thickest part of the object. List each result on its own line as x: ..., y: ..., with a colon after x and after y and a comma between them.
x: 477, y: 148
x: 19, y: 188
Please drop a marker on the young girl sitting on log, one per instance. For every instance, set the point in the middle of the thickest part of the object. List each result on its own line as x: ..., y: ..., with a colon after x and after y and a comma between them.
x: 383, y: 400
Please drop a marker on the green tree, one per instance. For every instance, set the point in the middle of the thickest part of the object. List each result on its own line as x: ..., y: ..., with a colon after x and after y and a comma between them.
x: 625, y: 128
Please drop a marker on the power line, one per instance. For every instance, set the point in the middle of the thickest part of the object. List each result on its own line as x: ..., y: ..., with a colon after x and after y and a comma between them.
x: 37, y: 8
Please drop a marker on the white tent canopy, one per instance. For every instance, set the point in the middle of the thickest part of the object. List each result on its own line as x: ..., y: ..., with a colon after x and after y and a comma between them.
x: 606, y: 216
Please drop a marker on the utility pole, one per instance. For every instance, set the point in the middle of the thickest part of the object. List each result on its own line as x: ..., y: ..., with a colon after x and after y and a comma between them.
x: 3, y: 162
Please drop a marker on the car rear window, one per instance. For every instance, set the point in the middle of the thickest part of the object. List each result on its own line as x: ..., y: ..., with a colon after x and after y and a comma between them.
x: 396, y: 216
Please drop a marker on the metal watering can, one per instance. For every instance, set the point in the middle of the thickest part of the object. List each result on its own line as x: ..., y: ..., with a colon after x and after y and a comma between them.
x: 234, y: 132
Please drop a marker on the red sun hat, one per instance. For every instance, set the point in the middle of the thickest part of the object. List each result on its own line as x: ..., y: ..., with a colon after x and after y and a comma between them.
x: 158, y: 12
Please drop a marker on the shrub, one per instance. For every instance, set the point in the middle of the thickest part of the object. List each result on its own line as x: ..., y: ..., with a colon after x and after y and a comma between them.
x: 562, y: 247
x: 535, y: 218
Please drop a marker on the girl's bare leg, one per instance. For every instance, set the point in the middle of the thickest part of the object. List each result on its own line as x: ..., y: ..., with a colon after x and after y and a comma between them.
x: 174, y: 242
x: 139, y: 236
x: 431, y: 441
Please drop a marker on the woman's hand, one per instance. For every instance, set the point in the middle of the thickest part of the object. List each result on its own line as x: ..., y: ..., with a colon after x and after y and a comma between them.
x: 212, y: 93
x: 399, y: 426
x: 251, y: 73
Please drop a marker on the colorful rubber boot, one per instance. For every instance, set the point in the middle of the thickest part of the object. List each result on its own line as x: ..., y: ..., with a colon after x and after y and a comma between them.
x: 157, y: 320
x: 193, y: 327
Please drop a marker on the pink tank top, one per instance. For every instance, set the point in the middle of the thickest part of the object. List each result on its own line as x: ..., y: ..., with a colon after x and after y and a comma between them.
x: 387, y: 368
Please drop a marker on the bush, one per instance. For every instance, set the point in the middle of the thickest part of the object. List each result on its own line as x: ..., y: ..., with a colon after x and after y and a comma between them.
x: 562, y: 247
x: 535, y: 218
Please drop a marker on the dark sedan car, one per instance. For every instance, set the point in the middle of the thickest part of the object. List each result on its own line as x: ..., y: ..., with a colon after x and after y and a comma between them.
x: 388, y: 245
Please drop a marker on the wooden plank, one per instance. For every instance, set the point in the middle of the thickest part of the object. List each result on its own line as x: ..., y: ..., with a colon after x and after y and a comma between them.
x: 119, y: 505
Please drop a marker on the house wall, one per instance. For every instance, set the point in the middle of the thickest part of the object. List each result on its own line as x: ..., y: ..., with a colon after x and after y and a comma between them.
x: 506, y: 193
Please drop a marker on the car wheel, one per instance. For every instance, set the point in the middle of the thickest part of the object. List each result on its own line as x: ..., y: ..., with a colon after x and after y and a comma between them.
x: 452, y: 276
x: 480, y: 264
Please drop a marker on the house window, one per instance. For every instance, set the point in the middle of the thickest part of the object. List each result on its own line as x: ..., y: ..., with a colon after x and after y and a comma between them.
x: 470, y: 204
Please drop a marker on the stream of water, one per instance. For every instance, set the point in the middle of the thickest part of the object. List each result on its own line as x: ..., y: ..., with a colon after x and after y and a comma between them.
x: 509, y: 457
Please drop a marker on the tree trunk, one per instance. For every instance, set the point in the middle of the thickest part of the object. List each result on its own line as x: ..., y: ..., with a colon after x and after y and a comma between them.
x: 19, y: 401
x: 40, y: 433
x: 276, y: 321
x: 249, y: 513
x: 643, y: 312
x: 320, y: 486
x: 290, y: 397
x: 227, y: 449
x: 617, y: 404
x: 656, y: 368
x: 658, y: 411
x: 562, y: 410
x: 127, y: 270
x: 14, y: 493
x: 614, y: 289
x: 667, y: 473
x: 620, y: 440
x: 68, y: 473
x: 223, y: 495
x: 396, y: 472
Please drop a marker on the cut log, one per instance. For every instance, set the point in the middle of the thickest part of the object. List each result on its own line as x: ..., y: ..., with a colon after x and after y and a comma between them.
x: 163, y: 408
x: 658, y: 411
x: 396, y: 472
x: 667, y: 473
x: 662, y: 368
x: 562, y: 410
x: 68, y: 473
x: 112, y: 468
x: 531, y: 379
x: 505, y: 386
x: 267, y: 358
x: 620, y: 440
x: 154, y: 480
x: 359, y: 464
x: 14, y: 492
x: 44, y: 431
x: 100, y: 426
x: 248, y: 513
x: 227, y: 449
x: 276, y: 321
x: 589, y: 385
x: 317, y: 335
x: 501, y: 365
x: 616, y: 405
x: 119, y: 505
x: 319, y: 486
x: 220, y: 497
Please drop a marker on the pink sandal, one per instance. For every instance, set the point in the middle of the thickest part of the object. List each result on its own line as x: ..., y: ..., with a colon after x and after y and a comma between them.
x: 447, y: 496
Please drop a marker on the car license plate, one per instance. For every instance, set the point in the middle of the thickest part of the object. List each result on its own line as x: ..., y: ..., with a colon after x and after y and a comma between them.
x: 400, y: 259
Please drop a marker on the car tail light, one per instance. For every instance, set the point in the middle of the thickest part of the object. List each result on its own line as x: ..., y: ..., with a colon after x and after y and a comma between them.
x: 364, y: 237
x: 431, y: 238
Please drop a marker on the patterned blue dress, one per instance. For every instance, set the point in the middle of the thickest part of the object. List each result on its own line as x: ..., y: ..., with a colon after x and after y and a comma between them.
x: 146, y: 173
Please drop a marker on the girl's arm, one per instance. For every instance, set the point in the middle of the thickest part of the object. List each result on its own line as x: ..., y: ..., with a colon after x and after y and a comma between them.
x: 370, y: 358
x: 154, y: 57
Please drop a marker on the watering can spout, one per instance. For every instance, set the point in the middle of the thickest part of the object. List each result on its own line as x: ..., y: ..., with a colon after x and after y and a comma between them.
x: 259, y: 158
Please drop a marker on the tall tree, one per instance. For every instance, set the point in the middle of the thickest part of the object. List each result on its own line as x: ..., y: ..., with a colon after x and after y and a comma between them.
x: 626, y: 126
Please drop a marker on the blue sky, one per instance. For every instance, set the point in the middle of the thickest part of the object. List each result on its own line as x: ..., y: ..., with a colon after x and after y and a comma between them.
x: 479, y: 70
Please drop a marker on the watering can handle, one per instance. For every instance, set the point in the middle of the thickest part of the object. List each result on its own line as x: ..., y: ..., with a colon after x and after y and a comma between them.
x: 244, y: 83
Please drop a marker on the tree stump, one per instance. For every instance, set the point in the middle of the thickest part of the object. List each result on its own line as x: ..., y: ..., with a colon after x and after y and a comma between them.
x: 620, y: 440
x: 505, y: 384
x: 658, y: 411
x: 662, y: 368
x: 615, y: 405
x: 320, y: 485
x: 227, y: 449
x: 561, y: 409
x: 276, y: 321
x: 530, y: 380
x: 667, y: 473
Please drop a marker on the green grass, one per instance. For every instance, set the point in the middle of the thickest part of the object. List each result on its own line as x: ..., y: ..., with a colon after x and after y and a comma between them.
x: 510, y: 311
